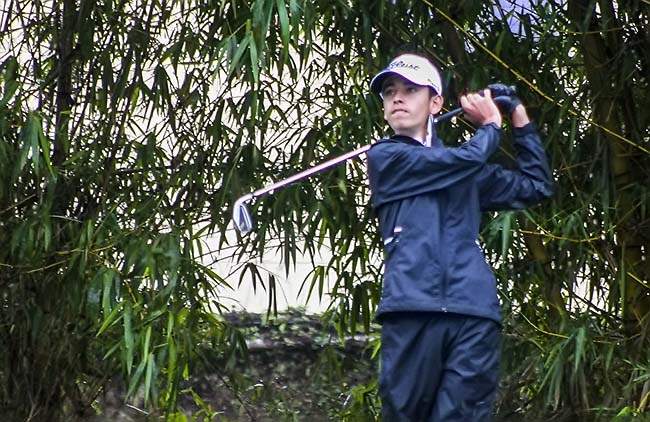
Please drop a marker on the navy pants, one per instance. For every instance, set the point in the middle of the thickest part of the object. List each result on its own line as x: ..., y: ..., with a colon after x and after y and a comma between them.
x: 438, y: 367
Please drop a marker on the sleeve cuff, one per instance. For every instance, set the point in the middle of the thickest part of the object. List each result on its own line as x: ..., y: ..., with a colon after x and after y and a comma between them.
x: 527, y: 129
x: 494, y: 125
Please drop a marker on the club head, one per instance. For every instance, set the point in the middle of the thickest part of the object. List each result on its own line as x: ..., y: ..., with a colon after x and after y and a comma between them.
x: 241, y: 216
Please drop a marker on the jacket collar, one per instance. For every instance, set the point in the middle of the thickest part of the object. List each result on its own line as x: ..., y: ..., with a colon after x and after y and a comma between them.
x: 406, y: 139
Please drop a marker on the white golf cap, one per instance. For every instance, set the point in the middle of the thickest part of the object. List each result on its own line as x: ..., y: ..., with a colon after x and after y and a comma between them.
x: 416, y: 69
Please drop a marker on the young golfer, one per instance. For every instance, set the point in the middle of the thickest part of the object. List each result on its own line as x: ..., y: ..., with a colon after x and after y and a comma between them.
x: 439, y: 310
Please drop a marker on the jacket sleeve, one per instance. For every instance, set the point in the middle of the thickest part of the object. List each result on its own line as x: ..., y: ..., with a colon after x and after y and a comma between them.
x: 528, y: 185
x: 397, y: 170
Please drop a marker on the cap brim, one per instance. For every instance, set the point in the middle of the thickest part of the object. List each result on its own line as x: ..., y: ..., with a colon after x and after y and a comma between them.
x: 378, y: 81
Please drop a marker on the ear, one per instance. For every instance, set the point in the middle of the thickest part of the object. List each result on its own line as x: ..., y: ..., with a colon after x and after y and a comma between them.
x: 435, y: 103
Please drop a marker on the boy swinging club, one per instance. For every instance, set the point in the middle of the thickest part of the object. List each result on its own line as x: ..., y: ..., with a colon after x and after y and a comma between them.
x: 439, y: 309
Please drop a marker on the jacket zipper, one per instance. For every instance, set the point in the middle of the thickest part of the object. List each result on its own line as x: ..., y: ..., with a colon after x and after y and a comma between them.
x: 443, y: 262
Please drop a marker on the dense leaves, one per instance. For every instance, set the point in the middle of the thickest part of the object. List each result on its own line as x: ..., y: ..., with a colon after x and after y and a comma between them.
x: 129, y: 128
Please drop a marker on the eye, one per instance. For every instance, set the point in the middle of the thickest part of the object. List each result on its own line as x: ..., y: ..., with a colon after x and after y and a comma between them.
x: 412, y: 89
x: 388, y: 92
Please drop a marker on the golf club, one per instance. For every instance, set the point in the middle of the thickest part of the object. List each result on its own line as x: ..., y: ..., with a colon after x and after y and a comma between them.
x: 241, y: 215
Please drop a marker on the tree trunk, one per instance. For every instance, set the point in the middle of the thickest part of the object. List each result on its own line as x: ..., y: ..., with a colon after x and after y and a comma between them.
x: 64, y: 82
x: 624, y: 171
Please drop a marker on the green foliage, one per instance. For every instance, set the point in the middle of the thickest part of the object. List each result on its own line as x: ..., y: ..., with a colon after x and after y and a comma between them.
x: 296, y: 370
x: 128, y: 129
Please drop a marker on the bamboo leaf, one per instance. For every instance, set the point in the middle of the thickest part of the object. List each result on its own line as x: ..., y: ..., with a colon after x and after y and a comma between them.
x: 239, y: 52
x: 11, y: 84
x: 315, y: 274
x: 147, y: 342
x: 285, y: 29
x: 254, y: 61
x: 44, y: 144
x: 128, y: 336
x: 355, y: 310
x: 28, y: 138
x: 579, y: 350
x: 148, y: 386
x: 172, y: 362
x: 111, y: 319
x: 135, y: 380
x: 107, y: 281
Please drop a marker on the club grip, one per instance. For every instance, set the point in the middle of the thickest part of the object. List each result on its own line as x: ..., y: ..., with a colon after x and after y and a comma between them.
x: 500, y: 90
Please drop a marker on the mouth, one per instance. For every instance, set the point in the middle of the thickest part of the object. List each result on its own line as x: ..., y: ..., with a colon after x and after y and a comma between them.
x: 399, y: 110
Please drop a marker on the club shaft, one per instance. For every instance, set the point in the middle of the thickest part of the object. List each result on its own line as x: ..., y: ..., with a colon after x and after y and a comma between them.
x: 448, y: 115
x: 310, y: 171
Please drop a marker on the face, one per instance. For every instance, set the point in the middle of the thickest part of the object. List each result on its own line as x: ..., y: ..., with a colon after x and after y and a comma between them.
x: 407, y: 106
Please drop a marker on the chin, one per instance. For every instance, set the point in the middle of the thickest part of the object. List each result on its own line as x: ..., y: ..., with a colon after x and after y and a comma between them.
x: 402, y: 130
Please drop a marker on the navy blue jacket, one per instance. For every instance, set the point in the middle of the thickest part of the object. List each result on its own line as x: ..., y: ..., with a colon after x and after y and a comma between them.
x: 429, y: 203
